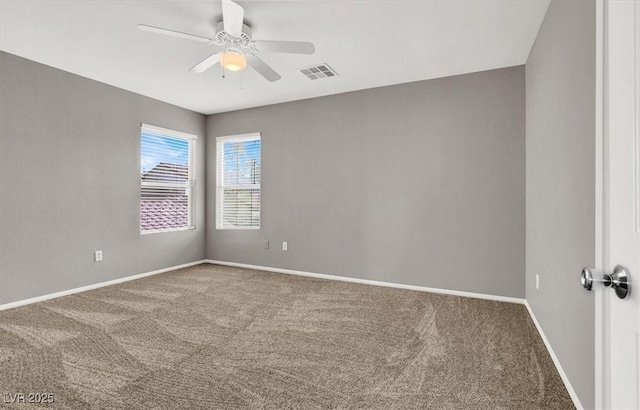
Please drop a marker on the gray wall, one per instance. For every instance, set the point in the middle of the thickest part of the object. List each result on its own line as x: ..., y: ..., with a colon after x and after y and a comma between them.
x: 560, y: 77
x: 420, y: 184
x: 70, y: 182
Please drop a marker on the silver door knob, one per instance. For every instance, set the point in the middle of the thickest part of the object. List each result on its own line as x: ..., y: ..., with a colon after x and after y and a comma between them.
x: 619, y: 280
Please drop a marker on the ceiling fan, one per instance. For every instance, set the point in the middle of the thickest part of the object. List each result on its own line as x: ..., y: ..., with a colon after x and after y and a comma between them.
x: 235, y: 48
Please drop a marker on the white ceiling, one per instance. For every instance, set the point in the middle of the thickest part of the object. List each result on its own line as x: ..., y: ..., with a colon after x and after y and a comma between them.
x: 369, y: 44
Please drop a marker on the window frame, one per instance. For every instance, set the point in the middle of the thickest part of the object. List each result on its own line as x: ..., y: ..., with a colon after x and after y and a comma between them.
x: 220, y: 187
x: 189, y: 185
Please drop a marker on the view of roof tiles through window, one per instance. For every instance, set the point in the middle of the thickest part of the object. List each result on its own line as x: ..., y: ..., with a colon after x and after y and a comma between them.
x: 164, y: 207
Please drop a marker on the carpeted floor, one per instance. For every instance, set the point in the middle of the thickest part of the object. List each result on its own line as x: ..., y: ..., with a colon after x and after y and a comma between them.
x: 219, y: 337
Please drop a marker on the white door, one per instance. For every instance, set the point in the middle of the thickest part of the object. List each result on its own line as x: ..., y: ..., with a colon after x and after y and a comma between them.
x: 621, y: 207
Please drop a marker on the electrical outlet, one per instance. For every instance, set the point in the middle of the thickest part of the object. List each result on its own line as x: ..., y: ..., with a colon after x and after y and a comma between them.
x: 266, y: 244
x: 537, y: 281
x: 285, y: 246
x: 97, y: 256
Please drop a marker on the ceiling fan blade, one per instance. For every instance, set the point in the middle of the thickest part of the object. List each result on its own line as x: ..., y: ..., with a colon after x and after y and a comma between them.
x: 295, y: 47
x: 173, y: 33
x: 206, y: 64
x: 233, y: 18
x: 262, y: 68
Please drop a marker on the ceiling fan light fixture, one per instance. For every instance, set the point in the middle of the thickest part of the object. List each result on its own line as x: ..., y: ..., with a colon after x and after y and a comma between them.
x: 233, y: 60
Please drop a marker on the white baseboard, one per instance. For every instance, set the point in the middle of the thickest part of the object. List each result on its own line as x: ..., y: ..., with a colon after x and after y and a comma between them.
x: 371, y: 282
x: 556, y: 362
x: 95, y: 286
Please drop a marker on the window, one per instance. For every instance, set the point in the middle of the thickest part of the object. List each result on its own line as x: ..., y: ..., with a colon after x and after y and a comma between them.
x: 167, y: 180
x: 238, y: 182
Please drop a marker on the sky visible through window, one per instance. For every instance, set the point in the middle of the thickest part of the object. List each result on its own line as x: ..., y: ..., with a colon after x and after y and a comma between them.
x: 157, y: 148
x: 242, y: 162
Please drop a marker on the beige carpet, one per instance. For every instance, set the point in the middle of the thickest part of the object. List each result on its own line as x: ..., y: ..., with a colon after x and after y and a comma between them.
x: 217, y: 337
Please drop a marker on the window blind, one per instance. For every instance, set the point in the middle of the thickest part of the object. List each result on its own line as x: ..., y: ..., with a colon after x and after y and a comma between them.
x: 238, y: 182
x: 167, y: 180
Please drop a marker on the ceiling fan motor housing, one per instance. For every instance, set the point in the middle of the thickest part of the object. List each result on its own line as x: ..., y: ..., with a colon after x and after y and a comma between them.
x: 225, y: 38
